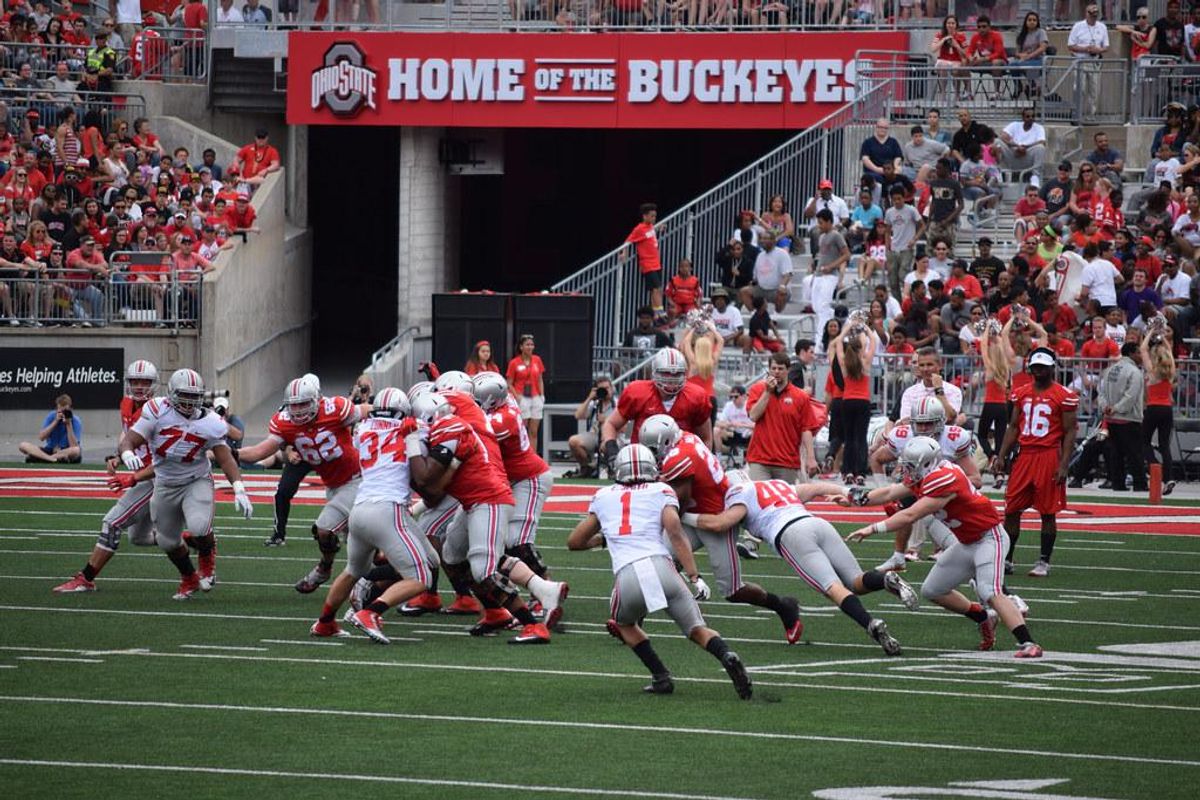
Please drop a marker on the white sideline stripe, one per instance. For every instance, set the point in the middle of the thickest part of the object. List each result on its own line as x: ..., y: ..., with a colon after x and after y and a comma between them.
x: 610, y: 726
x: 226, y: 647
x: 59, y: 658
x: 303, y: 641
x: 330, y: 776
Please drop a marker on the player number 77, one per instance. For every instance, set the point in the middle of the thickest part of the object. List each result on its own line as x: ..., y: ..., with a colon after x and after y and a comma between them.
x: 173, y: 435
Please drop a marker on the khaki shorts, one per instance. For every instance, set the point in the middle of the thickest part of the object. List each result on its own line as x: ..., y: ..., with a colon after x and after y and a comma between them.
x: 531, y: 407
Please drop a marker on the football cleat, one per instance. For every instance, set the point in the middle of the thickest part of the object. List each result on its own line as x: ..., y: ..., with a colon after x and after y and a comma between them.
x: 532, y: 634
x: 208, y: 571
x: 359, y: 592
x: 1008, y: 568
x: 463, y: 604
x: 899, y: 587
x: 553, y: 603
x: 747, y: 547
x: 188, y: 587
x: 1029, y: 650
x: 912, y: 555
x: 327, y: 629
x: 275, y: 540
x: 537, y: 609
x: 894, y: 564
x: 987, y: 631
x: 424, y: 603
x: 610, y: 625
x: 736, y: 671
x: 793, y: 626
x: 76, y: 584
x: 315, y: 577
x: 878, y: 631
x: 1022, y: 606
x: 1040, y: 570
x: 493, y: 619
x: 662, y: 684
x: 367, y: 621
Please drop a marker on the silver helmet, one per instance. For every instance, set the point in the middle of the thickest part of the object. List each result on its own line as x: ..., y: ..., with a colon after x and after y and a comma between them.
x: 659, y: 433
x: 391, y: 403
x: 490, y: 390
x: 313, y: 379
x: 185, y: 390
x: 453, y: 380
x: 146, y: 376
x: 419, y: 388
x: 928, y: 417
x: 918, y: 458
x: 301, y: 399
x: 429, y: 407
x: 635, y: 464
x: 668, y: 370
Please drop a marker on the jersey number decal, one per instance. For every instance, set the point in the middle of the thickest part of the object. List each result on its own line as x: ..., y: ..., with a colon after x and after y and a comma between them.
x: 776, y: 493
x: 1037, y: 419
x: 173, y: 435
x: 371, y: 446
x: 322, y: 447
x: 626, y: 528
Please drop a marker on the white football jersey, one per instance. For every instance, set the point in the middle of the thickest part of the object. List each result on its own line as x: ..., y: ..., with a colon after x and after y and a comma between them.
x: 177, y: 443
x: 770, y: 505
x: 955, y: 441
x: 384, y: 464
x: 631, y: 520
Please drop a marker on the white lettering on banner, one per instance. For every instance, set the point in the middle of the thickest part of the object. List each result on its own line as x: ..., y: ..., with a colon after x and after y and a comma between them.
x: 593, y: 80
x: 343, y: 79
x: 460, y: 79
x: 755, y: 81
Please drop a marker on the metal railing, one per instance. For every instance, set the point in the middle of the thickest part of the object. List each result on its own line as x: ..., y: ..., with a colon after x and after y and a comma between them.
x: 170, y: 55
x: 109, y: 105
x: 699, y: 229
x: 1158, y: 80
x: 142, y: 290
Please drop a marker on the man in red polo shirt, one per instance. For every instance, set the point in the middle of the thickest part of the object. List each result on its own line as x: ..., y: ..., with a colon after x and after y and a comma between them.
x: 257, y: 160
x: 240, y: 218
x: 644, y: 238
x: 785, y: 421
x: 189, y: 269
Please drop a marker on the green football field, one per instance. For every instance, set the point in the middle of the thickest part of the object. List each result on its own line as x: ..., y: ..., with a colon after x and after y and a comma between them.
x: 124, y: 693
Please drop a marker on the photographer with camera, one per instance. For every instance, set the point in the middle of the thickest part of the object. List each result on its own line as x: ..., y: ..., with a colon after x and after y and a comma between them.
x: 61, y: 436
x: 363, y: 391
x: 237, y: 428
x: 599, y: 403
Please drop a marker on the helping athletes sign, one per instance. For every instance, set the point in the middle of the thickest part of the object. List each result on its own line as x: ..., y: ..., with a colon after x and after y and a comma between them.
x: 623, y: 80
x: 31, y: 377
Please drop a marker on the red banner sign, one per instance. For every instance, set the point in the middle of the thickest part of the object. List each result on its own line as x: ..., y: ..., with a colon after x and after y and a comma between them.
x: 634, y: 80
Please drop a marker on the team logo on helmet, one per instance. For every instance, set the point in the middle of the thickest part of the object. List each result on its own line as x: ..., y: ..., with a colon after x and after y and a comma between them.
x: 345, y: 83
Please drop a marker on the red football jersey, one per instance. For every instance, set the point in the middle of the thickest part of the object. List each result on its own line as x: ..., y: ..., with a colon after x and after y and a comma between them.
x: 325, y: 442
x: 1041, y: 413
x: 969, y: 515
x: 690, y: 408
x: 521, y: 462
x: 466, y: 409
x: 131, y: 411
x: 690, y: 458
x: 480, y: 479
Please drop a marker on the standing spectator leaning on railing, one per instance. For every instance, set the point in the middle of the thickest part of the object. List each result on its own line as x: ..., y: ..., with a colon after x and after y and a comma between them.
x: 644, y: 238
x: 1088, y: 41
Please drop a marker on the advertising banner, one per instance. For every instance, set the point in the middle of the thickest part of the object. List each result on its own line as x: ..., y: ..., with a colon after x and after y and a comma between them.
x: 31, y: 377
x: 623, y: 80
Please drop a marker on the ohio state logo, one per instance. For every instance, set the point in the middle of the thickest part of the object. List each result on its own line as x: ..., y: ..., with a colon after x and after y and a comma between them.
x: 344, y: 84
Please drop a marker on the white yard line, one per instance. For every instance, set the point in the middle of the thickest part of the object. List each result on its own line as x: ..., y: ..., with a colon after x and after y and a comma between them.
x: 57, y: 658
x: 303, y: 641
x: 226, y: 647
x: 671, y: 731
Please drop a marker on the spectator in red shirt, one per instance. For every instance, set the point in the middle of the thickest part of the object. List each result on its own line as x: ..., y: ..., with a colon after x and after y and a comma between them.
x: 524, y: 376
x: 258, y: 160
x: 644, y: 238
x: 189, y: 268
x: 1099, y: 346
x: 986, y: 48
x: 481, y: 359
x: 85, y: 266
x: 146, y: 141
x: 1147, y: 260
x: 240, y: 218
x: 960, y: 279
x: 1063, y: 347
x: 1026, y: 210
x: 684, y: 289
x: 179, y: 224
x: 1060, y: 315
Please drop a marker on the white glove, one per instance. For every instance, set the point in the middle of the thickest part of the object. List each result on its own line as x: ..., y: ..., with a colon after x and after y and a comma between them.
x: 132, y: 462
x: 241, y: 500
x: 700, y: 589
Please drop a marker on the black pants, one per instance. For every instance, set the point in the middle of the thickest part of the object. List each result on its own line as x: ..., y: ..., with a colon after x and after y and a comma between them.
x: 289, y: 484
x: 993, y: 422
x: 1125, y: 455
x: 856, y: 418
x: 1088, y: 459
x: 1159, y: 419
x: 835, y: 428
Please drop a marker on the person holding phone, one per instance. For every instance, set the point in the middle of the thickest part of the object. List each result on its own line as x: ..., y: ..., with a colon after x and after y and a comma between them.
x: 60, y: 438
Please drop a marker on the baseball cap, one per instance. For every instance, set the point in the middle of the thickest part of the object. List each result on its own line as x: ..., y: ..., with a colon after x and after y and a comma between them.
x: 985, y: 240
x: 1146, y: 240
x: 1043, y: 357
x: 825, y: 184
x: 180, y: 215
x: 1049, y: 231
x: 261, y: 133
x: 1064, y: 165
x: 243, y: 196
x: 205, y: 169
x: 958, y: 290
x: 1169, y: 258
x: 719, y: 292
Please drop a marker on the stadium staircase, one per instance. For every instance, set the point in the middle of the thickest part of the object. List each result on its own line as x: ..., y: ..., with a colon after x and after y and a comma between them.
x: 244, y: 84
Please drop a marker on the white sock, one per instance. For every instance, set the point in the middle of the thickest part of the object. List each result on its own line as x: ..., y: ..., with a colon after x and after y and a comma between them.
x: 541, y: 587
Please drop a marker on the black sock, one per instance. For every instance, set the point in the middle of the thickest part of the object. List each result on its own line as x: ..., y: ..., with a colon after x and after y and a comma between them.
x: 1022, y: 634
x: 89, y: 572
x: 183, y: 563
x: 645, y: 651
x: 1048, y: 545
x: 1012, y: 544
x: 872, y: 580
x: 434, y: 582
x: 852, y: 607
x: 205, y: 545
x: 377, y: 607
x: 327, y: 562
x: 975, y: 613
x: 775, y: 603
x: 525, y: 616
x: 716, y: 645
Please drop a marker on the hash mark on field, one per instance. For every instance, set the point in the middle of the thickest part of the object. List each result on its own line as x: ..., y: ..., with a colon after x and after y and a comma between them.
x: 226, y: 647
x: 303, y: 641
x: 59, y: 658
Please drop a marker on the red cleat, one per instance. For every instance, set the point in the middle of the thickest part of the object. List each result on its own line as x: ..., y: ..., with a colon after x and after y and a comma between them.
x: 987, y: 631
x: 493, y: 619
x: 463, y: 604
x: 793, y: 626
x: 327, y: 629
x: 367, y: 621
x: 532, y: 634
x: 208, y: 570
x: 76, y: 584
x: 424, y: 603
x: 554, y: 609
x: 188, y: 587
x: 1029, y: 650
x: 613, y: 631
x: 794, y: 633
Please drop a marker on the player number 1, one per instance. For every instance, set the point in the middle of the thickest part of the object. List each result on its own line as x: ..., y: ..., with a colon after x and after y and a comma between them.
x: 626, y: 528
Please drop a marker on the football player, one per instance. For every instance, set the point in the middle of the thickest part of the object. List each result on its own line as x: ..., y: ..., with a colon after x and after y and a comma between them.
x: 774, y: 512
x: 295, y: 470
x: 132, y: 511
x: 528, y: 474
x: 320, y: 428
x: 667, y: 392
x: 700, y: 485
x: 944, y: 492
x: 928, y: 418
x: 457, y: 461
x: 379, y: 520
x: 630, y: 518
x: 178, y: 430
x: 1043, y: 423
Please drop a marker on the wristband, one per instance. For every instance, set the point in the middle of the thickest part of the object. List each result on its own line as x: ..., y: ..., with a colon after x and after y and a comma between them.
x: 412, y: 445
x: 879, y: 527
x: 690, y: 519
x: 239, y: 487
x: 939, y: 392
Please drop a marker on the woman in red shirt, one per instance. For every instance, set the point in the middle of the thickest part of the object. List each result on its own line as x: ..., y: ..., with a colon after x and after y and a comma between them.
x: 998, y: 358
x: 481, y: 359
x: 854, y: 349
x: 702, y: 350
x: 1159, y: 413
x: 949, y: 47
x: 524, y: 375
